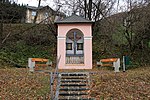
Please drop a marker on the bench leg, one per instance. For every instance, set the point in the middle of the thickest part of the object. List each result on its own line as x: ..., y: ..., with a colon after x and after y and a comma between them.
x: 116, y: 69
x: 98, y: 64
x: 116, y: 65
x: 31, y: 65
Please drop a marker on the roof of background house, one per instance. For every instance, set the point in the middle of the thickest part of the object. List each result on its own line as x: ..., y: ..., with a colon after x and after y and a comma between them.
x: 73, y: 19
x: 35, y: 8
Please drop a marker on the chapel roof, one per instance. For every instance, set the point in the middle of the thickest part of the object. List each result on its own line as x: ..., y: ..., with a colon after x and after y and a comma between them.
x: 73, y: 19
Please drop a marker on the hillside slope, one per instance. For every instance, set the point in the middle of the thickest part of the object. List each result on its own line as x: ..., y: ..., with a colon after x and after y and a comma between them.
x: 26, y: 41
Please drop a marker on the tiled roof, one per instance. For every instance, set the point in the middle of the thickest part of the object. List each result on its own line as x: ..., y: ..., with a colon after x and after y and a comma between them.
x: 41, y: 7
x: 34, y: 8
x: 73, y: 19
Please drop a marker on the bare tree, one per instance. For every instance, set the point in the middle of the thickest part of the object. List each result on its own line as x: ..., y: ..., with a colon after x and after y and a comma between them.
x: 1, y: 27
x: 91, y: 9
x: 85, y: 7
x: 132, y: 17
x: 102, y: 9
x: 37, y: 11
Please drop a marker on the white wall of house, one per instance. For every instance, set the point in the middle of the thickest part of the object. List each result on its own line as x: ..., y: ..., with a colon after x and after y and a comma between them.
x: 41, y: 15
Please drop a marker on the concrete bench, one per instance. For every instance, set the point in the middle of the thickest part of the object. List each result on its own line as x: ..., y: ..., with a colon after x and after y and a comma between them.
x: 110, y: 62
x: 35, y: 63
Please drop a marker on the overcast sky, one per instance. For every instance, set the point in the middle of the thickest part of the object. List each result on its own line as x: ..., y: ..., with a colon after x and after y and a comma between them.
x: 35, y: 2
x: 43, y: 2
x: 50, y: 3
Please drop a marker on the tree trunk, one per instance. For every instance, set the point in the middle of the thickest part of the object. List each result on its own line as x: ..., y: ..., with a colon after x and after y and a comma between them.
x: 1, y: 33
x: 85, y: 5
x: 90, y: 10
x: 37, y: 11
x: 1, y: 30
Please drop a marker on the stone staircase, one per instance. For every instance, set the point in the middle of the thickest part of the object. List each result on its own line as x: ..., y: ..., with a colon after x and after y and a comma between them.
x: 73, y: 86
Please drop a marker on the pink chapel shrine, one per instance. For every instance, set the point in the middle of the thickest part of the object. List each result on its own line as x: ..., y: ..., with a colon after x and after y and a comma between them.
x: 74, y: 43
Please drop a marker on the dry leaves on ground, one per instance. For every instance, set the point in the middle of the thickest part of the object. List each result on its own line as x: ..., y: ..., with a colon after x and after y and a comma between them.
x: 19, y: 84
x: 131, y: 85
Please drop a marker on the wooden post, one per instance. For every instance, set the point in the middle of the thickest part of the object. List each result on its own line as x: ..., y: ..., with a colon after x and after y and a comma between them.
x: 124, y: 66
x: 51, y: 85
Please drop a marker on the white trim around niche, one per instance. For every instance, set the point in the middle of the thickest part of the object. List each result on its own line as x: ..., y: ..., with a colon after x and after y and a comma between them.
x: 61, y: 37
x: 88, y: 37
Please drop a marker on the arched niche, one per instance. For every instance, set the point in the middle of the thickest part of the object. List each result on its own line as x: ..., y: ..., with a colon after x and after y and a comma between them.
x: 74, y: 47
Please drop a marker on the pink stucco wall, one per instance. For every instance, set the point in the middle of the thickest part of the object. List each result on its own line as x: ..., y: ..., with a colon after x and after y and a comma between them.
x: 61, y: 45
x: 64, y: 28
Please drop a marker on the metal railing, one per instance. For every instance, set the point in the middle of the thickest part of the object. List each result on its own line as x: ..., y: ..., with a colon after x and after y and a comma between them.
x: 53, y: 76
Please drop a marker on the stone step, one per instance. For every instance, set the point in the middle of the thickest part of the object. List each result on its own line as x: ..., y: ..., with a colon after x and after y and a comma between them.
x: 73, y: 74
x: 75, y: 98
x: 73, y: 80
x: 72, y: 94
x: 74, y: 89
x: 61, y: 87
x: 73, y: 84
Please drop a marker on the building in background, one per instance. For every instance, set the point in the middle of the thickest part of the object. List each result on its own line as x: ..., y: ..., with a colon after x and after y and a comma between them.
x: 45, y: 14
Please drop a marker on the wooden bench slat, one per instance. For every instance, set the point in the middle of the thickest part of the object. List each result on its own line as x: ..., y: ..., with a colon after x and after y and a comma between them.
x: 42, y: 65
x: 39, y: 60
x: 107, y: 65
x: 109, y: 60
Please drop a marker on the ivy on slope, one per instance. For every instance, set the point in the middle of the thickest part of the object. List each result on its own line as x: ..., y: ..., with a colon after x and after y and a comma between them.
x: 38, y: 42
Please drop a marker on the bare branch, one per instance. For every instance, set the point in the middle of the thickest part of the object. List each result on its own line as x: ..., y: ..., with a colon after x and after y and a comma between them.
x: 6, y: 37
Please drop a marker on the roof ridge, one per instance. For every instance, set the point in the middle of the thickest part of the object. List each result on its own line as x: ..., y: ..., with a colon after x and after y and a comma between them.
x: 68, y: 17
x: 74, y: 19
x: 34, y: 7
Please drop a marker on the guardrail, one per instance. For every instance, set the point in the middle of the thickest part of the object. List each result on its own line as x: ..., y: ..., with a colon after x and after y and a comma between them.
x: 53, y: 76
